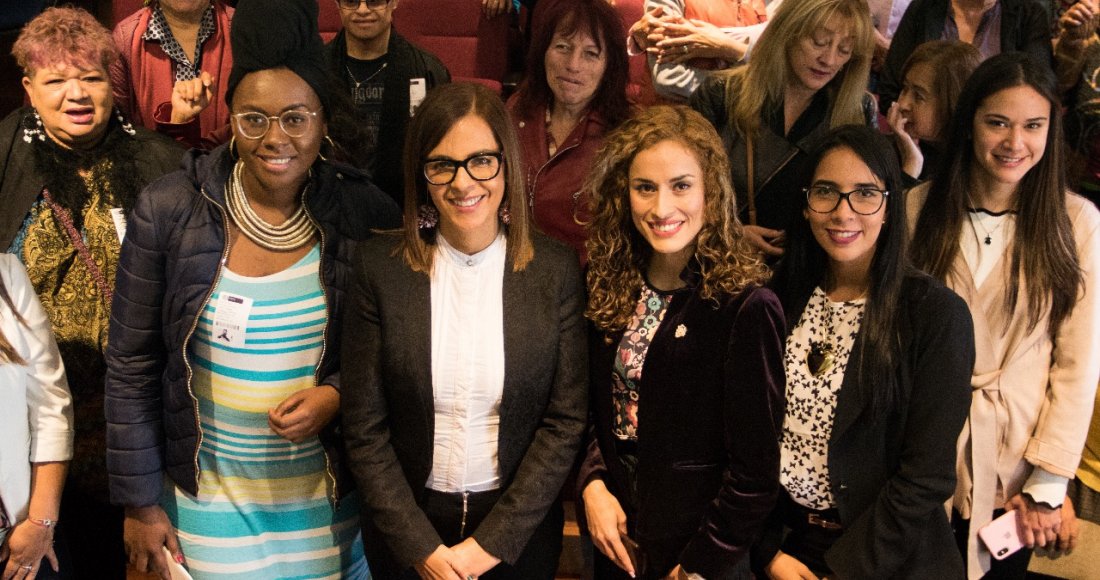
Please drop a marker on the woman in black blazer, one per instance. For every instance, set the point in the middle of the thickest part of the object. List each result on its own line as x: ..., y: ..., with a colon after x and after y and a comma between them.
x: 878, y: 363
x: 464, y: 385
x: 682, y: 466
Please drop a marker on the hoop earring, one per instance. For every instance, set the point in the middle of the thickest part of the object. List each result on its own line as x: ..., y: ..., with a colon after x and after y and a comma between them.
x: 427, y: 217
x: 331, y: 146
x: 233, y: 149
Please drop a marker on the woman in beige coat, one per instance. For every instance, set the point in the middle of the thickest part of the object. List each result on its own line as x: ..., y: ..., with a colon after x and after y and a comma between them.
x: 1000, y: 229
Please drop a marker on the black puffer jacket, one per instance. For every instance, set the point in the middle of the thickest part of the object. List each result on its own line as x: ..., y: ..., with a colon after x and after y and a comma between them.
x: 170, y: 260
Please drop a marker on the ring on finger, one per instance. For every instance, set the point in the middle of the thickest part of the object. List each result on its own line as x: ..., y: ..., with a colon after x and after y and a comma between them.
x: 27, y: 567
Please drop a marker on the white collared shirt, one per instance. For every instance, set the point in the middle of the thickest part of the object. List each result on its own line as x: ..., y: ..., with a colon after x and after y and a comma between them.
x: 467, y: 366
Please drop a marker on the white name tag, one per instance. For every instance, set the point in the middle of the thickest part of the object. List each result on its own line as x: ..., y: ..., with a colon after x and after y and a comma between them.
x: 418, y: 89
x: 119, y: 218
x: 231, y: 318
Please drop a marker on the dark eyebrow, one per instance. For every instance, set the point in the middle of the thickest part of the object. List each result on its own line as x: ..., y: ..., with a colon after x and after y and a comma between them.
x: 474, y: 154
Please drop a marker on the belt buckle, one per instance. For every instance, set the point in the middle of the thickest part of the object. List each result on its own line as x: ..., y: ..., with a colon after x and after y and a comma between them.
x: 816, y: 520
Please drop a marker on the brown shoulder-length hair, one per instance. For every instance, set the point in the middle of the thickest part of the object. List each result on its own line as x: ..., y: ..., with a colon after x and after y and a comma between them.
x: 442, y: 108
x: 617, y: 252
x: 952, y: 62
x: 1044, y: 255
x: 597, y: 19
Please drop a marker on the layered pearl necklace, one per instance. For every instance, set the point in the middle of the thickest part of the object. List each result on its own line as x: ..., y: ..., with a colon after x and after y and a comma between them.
x: 292, y: 234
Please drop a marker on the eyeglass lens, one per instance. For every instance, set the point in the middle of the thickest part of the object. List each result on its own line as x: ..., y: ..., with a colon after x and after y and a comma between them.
x: 256, y: 125
x: 481, y: 167
x: 824, y: 199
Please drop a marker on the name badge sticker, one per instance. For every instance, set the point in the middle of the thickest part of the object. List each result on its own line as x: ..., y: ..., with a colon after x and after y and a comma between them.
x: 231, y: 318
x: 418, y: 89
x: 119, y: 218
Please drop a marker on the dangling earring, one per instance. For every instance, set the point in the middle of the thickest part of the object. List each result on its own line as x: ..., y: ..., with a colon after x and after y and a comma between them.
x: 505, y: 215
x: 233, y: 148
x: 34, y: 132
x: 331, y: 145
x: 427, y: 217
x: 126, y: 126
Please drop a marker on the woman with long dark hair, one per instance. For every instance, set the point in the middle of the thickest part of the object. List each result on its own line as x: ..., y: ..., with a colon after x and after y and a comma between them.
x: 998, y: 227
x: 877, y: 361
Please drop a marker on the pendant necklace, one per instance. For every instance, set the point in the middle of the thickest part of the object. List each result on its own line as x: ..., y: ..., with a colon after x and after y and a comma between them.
x: 822, y: 355
x: 974, y: 220
x: 368, y: 79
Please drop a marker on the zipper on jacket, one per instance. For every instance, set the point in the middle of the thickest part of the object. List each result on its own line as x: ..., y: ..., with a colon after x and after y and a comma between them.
x: 535, y: 181
x: 335, y: 498
x: 195, y: 324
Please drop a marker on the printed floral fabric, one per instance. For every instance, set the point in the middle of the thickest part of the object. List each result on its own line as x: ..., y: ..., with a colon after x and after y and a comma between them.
x: 811, y: 401
x: 626, y: 375
x: 78, y: 312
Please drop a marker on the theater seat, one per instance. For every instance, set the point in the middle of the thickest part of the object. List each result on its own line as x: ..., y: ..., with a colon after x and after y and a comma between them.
x: 328, y: 19
x: 122, y: 8
x: 640, y: 87
x: 472, y: 47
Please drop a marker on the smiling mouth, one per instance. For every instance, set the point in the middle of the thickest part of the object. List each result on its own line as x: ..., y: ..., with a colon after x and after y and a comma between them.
x: 81, y: 115
x: 466, y: 202
x: 666, y: 228
x: 842, y: 237
x: 1006, y: 160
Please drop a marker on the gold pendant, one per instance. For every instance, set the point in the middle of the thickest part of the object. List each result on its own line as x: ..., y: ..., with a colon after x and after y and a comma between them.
x: 820, y: 359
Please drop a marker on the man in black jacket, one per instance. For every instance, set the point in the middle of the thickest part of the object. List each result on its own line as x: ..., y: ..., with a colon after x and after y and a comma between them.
x: 386, y: 77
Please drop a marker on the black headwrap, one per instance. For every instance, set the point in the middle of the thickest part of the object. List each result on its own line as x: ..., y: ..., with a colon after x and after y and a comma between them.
x: 269, y: 34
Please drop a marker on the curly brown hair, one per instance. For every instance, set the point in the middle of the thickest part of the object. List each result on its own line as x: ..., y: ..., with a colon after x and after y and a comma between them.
x: 618, y: 254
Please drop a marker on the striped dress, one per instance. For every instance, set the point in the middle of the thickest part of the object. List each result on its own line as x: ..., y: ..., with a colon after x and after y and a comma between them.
x: 263, y: 508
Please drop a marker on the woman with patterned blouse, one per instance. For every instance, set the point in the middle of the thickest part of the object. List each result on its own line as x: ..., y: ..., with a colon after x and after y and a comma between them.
x: 72, y: 168
x: 682, y: 465
x: 878, y: 362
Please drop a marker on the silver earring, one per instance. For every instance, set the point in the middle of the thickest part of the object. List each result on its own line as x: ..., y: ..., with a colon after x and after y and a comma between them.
x: 35, y: 131
x: 427, y: 217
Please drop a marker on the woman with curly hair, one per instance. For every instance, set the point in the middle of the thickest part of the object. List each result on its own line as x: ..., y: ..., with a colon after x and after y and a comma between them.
x: 808, y: 73
x: 682, y: 467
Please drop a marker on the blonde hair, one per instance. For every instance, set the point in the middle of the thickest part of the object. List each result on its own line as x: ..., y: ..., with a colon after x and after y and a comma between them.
x: 617, y: 253
x: 765, y: 78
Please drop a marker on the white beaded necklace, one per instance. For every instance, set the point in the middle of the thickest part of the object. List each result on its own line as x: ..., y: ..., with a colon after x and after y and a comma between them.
x: 292, y: 234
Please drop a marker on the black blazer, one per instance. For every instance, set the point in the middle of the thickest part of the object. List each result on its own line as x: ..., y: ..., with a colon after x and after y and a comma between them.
x: 387, y: 400
x: 891, y: 477
x: 710, y: 409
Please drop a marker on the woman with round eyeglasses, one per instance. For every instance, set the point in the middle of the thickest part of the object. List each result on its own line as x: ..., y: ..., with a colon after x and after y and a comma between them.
x: 464, y: 360
x: 877, y: 359
x: 223, y: 360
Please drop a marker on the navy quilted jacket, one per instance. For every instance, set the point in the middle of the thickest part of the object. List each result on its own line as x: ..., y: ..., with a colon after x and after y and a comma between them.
x: 171, y: 256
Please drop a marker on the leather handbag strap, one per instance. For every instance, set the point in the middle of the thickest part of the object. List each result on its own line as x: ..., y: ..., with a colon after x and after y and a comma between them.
x: 78, y: 242
x: 752, y: 189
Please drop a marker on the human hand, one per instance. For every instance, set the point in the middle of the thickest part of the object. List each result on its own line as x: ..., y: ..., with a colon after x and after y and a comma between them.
x: 494, y: 8
x: 689, y: 39
x: 639, y: 31
x: 145, y: 531
x: 1071, y: 528
x: 304, y: 413
x: 472, y: 558
x: 1079, y: 22
x: 441, y: 564
x: 190, y: 97
x: 27, y: 544
x: 912, y: 159
x: 1038, y: 525
x: 606, y: 524
x: 785, y: 567
x: 766, y: 240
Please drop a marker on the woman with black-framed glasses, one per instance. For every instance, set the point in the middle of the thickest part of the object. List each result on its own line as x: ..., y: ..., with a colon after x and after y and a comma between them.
x: 878, y: 359
x: 223, y: 355
x: 465, y: 381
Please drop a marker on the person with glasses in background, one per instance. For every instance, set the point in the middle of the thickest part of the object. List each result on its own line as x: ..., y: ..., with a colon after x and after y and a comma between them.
x: 385, y: 77
x: 223, y: 357
x: 878, y: 359
x: 465, y: 383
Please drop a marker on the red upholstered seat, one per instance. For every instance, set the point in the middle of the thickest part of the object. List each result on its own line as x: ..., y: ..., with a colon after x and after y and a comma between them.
x: 473, y: 48
x: 640, y: 88
x: 328, y: 19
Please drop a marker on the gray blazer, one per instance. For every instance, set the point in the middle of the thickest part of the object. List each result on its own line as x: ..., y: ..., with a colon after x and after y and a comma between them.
x: 387, y: 400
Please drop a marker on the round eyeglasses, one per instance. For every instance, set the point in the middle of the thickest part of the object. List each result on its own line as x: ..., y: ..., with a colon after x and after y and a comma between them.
x: 826, y: 198
x: 479, y: 166
x: 294, y: 123
x: 354, y: 4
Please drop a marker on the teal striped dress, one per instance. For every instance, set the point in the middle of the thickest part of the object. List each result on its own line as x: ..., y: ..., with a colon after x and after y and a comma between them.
x: 263, y: 508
